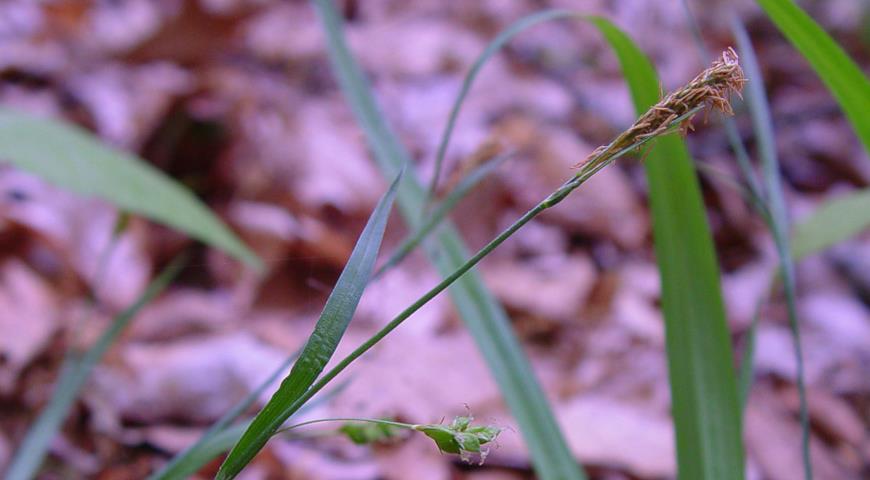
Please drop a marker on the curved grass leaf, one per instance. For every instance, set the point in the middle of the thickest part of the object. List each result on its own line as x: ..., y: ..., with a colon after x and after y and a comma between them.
x: 483, y: 316
x: 32, y: 451
x: 71, y: 158
x: 703, y: 385
x: 839, y: 73
x: 330, y: 327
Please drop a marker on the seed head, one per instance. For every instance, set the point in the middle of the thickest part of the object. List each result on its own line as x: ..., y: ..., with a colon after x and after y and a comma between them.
x: 711, y: 87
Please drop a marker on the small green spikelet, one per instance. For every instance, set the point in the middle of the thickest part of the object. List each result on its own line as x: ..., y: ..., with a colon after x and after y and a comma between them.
x: 460, y: 437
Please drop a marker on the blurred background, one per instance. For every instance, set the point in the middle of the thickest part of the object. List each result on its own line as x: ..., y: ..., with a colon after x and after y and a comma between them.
x: 237, y: 100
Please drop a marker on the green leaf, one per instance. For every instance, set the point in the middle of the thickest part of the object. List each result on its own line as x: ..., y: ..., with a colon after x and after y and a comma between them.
x: 703, y: 385
x: 32, y: 451
x: 834, y: 221
x: 330, y: 327
x: 839, y: 73
x: 484, y: 317
x: 71, y: 158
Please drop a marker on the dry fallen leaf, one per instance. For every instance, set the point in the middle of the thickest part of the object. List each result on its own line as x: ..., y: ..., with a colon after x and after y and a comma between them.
x: 29, y: 317
x: 193, y: 380
x: 773, y: 440
x: 554, y: 287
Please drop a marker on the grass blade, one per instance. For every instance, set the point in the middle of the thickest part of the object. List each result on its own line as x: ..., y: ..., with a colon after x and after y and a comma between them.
x: 330, y: 327
x: 442, y: 210
x: 840, y: 74
x: 779, y: 219
x: 834, y: 221
x: 703, y: 385
x: 71, y: 158
x: 484, y: 317
x: 32, y: 451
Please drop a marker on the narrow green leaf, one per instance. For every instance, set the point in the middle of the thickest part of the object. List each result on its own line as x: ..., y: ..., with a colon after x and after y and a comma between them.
x: 71, y: 158
x: 330, y: 327
x: 703, y: 385
x: 484, y: 317
x: 32, y: 451
x: 834, y: 221
x: 839, y: 73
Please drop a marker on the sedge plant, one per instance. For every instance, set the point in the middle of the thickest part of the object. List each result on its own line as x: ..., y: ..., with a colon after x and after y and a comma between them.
x: 712, y: 87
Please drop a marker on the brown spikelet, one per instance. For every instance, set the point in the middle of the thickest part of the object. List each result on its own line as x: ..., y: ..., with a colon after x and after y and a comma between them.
x: 710, y: 87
